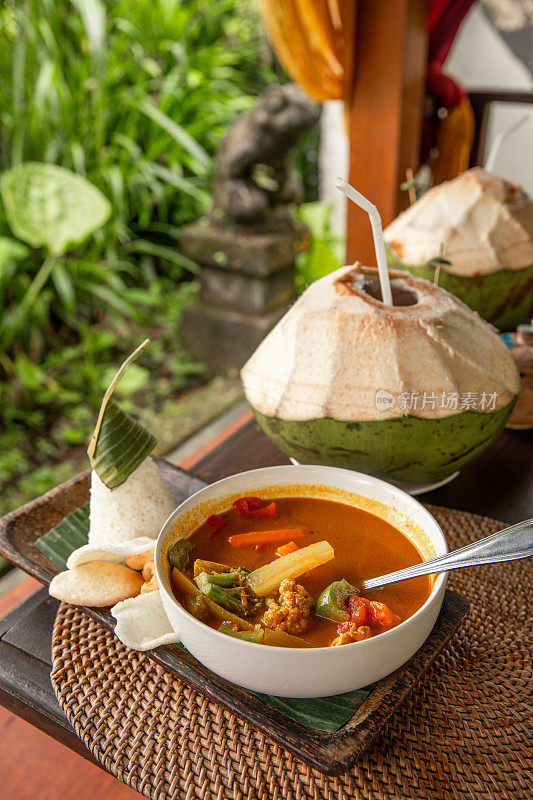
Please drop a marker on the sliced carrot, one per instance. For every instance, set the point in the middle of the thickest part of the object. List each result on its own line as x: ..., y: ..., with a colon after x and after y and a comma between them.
x: 283, y: 549
x: 254, y: 538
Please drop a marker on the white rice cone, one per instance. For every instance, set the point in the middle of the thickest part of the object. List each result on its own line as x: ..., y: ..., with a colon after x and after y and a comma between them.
x: 136, y: 508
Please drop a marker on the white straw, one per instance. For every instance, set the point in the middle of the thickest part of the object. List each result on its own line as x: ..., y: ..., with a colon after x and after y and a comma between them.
x: 377, y: 231
x: 489, y: 163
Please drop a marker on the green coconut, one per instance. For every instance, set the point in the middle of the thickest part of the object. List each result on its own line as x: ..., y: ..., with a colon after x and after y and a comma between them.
x: 411, y: 392
x: 503, y: 298
x: 389, y: 448
x: 481, y: 226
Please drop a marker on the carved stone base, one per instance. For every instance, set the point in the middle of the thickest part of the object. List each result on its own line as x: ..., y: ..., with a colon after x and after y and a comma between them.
x: 257, y: 252
x: 246, y: 285
x: 223, y: 338
x: 245, y: 293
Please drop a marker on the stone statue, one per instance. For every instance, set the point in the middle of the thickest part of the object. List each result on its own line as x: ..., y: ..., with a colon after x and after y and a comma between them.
x: 253, y: 170
x: 248, y: 244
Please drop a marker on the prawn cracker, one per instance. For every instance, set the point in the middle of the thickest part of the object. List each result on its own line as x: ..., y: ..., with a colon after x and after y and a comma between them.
x: 142, y: 623
x: 97, y: 584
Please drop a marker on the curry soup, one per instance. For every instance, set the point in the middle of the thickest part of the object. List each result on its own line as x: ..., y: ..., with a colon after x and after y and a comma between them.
x: 364, y: 546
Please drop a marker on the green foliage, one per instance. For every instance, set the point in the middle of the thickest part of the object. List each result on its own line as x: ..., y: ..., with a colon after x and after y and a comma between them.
x: 11, y: 250
x: 48, y: 410
x: 135, y: 96
x: 51, y: 207
x: 327, y: 248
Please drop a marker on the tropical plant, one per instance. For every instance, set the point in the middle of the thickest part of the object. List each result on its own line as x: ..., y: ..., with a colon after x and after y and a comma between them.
x: 134, y: 96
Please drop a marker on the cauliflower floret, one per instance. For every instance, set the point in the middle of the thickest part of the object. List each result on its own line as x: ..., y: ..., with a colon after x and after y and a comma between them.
x: 352, y: 635
x: 292, y: 610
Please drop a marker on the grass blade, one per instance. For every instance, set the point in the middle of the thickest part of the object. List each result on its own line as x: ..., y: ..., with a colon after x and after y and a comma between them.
x: 178, y: 133
x: 93, y: 16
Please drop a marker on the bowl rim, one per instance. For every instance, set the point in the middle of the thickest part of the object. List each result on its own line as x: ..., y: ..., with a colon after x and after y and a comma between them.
x: 438, y: 584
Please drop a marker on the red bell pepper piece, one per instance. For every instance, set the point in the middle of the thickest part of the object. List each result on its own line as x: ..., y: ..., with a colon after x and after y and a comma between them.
x: 218, y: 523
x: 252, y: 507
x: 242, y: 506
x: 267, y: 511
x: 358, y: 608
x: 253, y: 503
x: 380, y: 614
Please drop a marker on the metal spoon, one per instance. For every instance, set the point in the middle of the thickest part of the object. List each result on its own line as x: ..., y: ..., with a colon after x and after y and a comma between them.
x: 507, y: 545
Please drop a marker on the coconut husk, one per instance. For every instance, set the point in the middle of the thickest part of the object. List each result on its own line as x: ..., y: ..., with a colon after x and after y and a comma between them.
x: 338, y: 346
x: 479, y: 222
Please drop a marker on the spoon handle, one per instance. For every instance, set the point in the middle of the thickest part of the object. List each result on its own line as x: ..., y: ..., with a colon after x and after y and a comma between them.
x: 507, y: 545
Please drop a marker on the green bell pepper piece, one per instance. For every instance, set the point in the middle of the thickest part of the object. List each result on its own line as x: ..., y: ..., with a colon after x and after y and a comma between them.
x: 332, y: 602
x: 246, y: 636
x: 178, y: 555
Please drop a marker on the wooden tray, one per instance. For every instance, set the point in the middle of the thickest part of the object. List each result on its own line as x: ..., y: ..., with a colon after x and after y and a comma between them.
x: 331, y: 753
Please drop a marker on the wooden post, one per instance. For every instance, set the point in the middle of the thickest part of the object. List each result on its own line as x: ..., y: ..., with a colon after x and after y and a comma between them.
x: 386, y: 109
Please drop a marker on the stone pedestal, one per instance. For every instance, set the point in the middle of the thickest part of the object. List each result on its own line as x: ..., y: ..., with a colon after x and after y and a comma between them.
x: 246, y: 285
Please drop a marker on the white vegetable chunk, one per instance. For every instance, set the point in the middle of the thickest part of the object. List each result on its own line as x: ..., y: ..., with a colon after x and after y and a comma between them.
x: 266, y: 579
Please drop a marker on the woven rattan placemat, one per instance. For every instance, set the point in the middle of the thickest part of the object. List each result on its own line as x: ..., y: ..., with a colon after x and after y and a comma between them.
x: 464, y: 732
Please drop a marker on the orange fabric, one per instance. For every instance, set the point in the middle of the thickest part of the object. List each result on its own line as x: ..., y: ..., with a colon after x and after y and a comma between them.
x: 454, y: 142
x: 307, y: 36
x: 309, y: 39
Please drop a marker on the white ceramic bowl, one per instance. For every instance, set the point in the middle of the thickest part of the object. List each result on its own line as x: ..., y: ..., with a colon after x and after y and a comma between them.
x: 317, y: 671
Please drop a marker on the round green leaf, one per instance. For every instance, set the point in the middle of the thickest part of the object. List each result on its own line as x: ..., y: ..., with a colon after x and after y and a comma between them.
x: 51, y: 206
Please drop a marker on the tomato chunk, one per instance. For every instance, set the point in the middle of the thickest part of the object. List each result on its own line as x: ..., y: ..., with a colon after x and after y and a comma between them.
x: 370, y: 612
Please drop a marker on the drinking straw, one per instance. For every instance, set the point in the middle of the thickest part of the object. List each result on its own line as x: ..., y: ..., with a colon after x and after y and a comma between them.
x: 377, y: 232
x: 489, y: 163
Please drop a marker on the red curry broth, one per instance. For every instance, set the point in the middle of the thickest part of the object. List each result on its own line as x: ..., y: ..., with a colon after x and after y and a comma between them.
x: 365, y: 546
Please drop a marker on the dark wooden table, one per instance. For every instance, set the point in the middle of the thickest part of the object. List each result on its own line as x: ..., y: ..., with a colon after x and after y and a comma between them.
x: 499, y: 485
